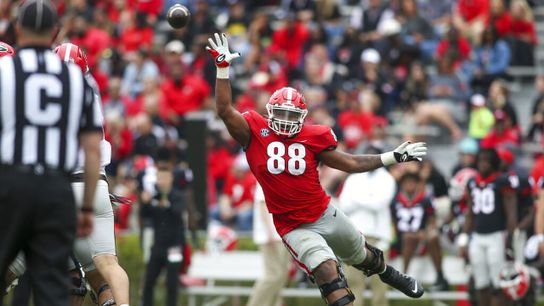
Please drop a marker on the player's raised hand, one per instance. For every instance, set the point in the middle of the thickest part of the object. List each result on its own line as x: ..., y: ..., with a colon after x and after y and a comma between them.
x: 219, y: 50
x: 404, y: 153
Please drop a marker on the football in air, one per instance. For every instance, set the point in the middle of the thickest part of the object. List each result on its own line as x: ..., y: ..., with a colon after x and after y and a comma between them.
x: 178, y: 16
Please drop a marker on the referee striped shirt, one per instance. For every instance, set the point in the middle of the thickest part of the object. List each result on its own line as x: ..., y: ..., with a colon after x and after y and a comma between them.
x: 44, y: 105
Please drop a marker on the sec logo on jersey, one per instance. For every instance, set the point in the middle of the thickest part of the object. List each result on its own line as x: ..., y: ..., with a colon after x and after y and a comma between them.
x: 265, y: 132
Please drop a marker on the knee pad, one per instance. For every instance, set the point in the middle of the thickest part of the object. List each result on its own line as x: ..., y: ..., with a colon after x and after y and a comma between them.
x: 374, y: 266
x: 339, y: 283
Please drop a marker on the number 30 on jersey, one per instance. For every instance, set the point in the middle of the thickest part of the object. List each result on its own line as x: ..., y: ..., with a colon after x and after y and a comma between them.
x: 296, y: 165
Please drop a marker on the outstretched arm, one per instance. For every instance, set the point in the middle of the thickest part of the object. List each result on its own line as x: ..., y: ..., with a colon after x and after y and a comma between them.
x: 235, y: 122
x: 350, y: 163
x: 362, y: 163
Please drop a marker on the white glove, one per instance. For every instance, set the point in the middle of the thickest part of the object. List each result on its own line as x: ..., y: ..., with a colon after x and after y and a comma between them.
x: 219, y: 50
x: 404, y: 153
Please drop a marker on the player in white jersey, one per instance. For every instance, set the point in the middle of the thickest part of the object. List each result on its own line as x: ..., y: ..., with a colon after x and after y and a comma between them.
x: 97, y: 252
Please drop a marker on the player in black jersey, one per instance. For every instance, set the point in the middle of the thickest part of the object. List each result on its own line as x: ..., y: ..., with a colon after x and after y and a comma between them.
x: 413, y: 214
x: 491, y: 220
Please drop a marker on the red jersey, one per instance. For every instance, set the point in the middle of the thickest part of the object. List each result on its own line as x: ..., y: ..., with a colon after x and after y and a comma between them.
x: 240, y: 190
x: 187, y: 96
x: 356, y: 126
x: 286, y: 169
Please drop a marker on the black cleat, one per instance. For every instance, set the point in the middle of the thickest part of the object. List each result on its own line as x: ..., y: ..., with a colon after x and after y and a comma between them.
x: 440, y: 285
x: 401, y: 282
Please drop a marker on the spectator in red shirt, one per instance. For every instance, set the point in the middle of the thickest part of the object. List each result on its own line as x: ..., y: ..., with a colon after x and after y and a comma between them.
x: 236, y: 203
x: 356, y: 124
x: 503, y: 135
x: 455, y: 46
x: 289, y: 40
x: 500, y: 18
x: 182, y: 93
x: 138, y: 34
x: 271, y: 74
x: 470, y: 18
x: 120, y: 138
x: 151, y: 94
x: 219, y: 162
x: 523, y: 34
x: 90, y: 38
x: 152, y: 8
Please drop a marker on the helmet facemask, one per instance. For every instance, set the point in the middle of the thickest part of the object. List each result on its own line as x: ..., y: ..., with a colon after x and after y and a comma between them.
x: 284, y: 119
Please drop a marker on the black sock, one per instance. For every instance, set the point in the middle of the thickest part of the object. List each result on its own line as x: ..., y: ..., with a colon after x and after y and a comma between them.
x: 439, y: 276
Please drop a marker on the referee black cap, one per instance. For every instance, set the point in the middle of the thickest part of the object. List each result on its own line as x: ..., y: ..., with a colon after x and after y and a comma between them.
x: 37, y: 15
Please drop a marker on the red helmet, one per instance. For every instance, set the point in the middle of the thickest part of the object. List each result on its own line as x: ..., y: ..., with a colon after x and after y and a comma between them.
x: 458, y: 183
x: 515, y: 281
x: 72, y: 53
x: 286, y: 111
x: 221, y: 238
x: 6, y: 50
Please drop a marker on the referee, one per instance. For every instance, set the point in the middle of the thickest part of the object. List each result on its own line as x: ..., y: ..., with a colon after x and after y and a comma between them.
x: 47, y: 109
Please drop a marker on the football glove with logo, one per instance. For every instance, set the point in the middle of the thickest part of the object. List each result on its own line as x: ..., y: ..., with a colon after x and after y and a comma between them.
x: 404, y: 153
x: 219, y: 50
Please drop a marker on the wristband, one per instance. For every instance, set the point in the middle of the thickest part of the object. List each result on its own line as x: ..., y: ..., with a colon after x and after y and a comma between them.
x: 223, y: 73
x: 87, y: 209
x: 540, y: 237
x: 388, y: 158
x: 462, y: 240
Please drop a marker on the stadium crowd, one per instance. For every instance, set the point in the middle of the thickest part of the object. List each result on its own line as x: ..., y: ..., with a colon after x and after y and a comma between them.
x: 365, y: 67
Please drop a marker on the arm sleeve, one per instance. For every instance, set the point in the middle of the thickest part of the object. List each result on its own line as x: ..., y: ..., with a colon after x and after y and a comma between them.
x: 250, y: 118
x: 325, y: 141
x: 506, y: 185
x: 91, y: 117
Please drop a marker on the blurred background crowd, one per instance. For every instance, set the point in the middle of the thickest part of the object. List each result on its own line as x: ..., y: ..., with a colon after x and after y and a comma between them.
x: 459, y: 74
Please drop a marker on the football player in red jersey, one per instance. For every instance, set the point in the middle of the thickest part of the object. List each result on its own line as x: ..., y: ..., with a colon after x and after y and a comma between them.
x: 283, y: 153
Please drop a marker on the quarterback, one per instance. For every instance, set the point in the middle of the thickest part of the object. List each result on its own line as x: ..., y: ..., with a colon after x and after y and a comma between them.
x: 283, y: 154
x: 96, y: 253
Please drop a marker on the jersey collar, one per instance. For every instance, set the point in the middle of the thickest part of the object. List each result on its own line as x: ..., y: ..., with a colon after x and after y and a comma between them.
x: 410, y: 202
x: 483, y: 181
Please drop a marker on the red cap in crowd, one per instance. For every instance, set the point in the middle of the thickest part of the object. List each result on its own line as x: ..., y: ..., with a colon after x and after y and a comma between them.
x: 506, y: 156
